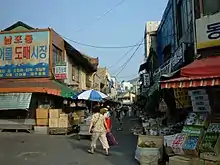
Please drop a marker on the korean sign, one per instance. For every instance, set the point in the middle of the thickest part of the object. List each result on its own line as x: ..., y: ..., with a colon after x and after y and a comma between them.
x: 24, y: 55
x: 208, y: 31
x: 60, y: 71
x: 178, y: 58
x: 146, y: 78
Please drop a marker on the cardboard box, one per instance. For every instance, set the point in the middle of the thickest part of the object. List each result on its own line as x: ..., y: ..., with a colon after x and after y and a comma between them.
x: 41, y: 130
x: 64, y: 123
x: 179, y: 160
x: 64, y: 115
x: 207, y: 156
x: 55, y: 113
x: 207, y: 162
x: 42, y: 122
x: 42, y: 113
x: 53, y: 123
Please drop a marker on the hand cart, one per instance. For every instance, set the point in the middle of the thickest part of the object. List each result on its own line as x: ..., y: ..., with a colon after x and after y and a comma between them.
x: 84, y: 131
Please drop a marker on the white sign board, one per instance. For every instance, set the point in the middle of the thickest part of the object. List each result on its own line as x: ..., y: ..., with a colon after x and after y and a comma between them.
x: 146, y: 78
x: 208, y: 31
x: 61, y: 72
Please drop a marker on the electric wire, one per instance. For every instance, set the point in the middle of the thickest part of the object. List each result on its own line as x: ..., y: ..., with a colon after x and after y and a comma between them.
x: 102, y: 47
x: 126, y: 63
x: 103, y: 15
x: 123, y: 56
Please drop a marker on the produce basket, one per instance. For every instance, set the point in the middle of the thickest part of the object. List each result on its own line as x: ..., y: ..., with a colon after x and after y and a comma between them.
x: 149, y: 149
x: 150, y: 156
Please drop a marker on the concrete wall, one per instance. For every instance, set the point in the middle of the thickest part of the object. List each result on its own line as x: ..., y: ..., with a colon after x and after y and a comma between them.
x: 150, y: 40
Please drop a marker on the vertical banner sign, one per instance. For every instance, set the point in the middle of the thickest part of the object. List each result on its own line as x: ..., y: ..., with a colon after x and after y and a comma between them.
x: 146, y: 78
x: 60, y: 71
x: 24, y: 55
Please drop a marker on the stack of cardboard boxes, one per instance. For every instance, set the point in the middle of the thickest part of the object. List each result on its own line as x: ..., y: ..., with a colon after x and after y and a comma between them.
x: 42, y: 117
x: 57, y: 119
x: 52, y: 118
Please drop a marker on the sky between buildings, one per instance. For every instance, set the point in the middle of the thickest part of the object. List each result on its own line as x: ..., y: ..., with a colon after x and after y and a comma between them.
x: 91, y: 22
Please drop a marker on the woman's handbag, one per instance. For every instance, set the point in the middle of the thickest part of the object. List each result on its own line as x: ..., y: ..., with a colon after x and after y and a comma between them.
x: 111, y: 139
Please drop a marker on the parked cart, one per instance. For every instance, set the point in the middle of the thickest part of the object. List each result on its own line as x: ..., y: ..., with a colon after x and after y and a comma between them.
x: 84, y: 131
x: 60, y: 131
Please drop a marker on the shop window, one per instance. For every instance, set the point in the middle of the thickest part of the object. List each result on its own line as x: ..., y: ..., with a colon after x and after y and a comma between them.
x: 211, y: 7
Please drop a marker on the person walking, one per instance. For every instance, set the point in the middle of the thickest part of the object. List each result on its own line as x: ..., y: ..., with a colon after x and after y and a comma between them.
x: 119, y: 118
x: 98, y: 127
x: 107, y: 115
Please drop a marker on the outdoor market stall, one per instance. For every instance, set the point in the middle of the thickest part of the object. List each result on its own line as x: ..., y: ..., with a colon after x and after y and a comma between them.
x: 199, y: 141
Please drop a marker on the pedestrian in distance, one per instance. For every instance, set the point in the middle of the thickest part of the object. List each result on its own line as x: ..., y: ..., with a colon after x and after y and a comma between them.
x: 98, y: 128
x: 119, y: 118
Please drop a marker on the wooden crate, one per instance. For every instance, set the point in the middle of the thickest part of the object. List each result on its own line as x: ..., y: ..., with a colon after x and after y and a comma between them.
x: 42, y: 113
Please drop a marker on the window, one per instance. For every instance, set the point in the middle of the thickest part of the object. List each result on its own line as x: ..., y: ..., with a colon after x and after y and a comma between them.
x: 179, y: 19
x: 57, y: 55
x: 211, y: 7
x: 75, y: 73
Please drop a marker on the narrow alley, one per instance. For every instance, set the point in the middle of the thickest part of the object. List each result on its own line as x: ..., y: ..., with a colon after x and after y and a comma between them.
x: 26, y: 149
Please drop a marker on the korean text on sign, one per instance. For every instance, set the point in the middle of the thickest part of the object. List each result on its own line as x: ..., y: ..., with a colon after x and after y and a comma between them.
x: 23, y: 52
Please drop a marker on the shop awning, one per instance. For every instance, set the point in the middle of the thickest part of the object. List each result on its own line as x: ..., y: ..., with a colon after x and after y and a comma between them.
x: 184, y: 82
x: 207, y: 67
x: 200, y: 73
x: 35, y: 85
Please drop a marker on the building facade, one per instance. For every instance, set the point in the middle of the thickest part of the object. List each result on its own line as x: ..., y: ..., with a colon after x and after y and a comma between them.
x: 37, y: 67
x: 104, y: 82
x: 175, y: 44
x: 150, y: 36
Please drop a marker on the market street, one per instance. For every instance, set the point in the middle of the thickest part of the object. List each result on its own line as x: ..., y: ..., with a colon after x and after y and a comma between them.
x: 31, y: 149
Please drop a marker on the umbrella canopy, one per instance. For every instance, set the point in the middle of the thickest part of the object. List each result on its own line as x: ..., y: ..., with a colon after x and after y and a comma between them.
x: 91, y: 95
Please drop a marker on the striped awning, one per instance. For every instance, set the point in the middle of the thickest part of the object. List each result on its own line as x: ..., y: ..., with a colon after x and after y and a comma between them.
x: 185, y: 82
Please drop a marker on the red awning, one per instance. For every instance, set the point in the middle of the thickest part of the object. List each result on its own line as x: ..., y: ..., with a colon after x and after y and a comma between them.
x: 207, y: 67
x: 32, y: 85
x: 200, y: 73
x: 184, y: 82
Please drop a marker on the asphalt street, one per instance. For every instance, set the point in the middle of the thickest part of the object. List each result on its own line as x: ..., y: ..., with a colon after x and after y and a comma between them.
x: 31, y: 149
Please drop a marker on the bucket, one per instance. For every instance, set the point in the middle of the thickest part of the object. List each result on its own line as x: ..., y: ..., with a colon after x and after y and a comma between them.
x: 149, y: 156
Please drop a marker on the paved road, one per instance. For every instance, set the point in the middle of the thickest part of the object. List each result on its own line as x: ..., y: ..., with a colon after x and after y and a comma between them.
x: 31, y: 149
